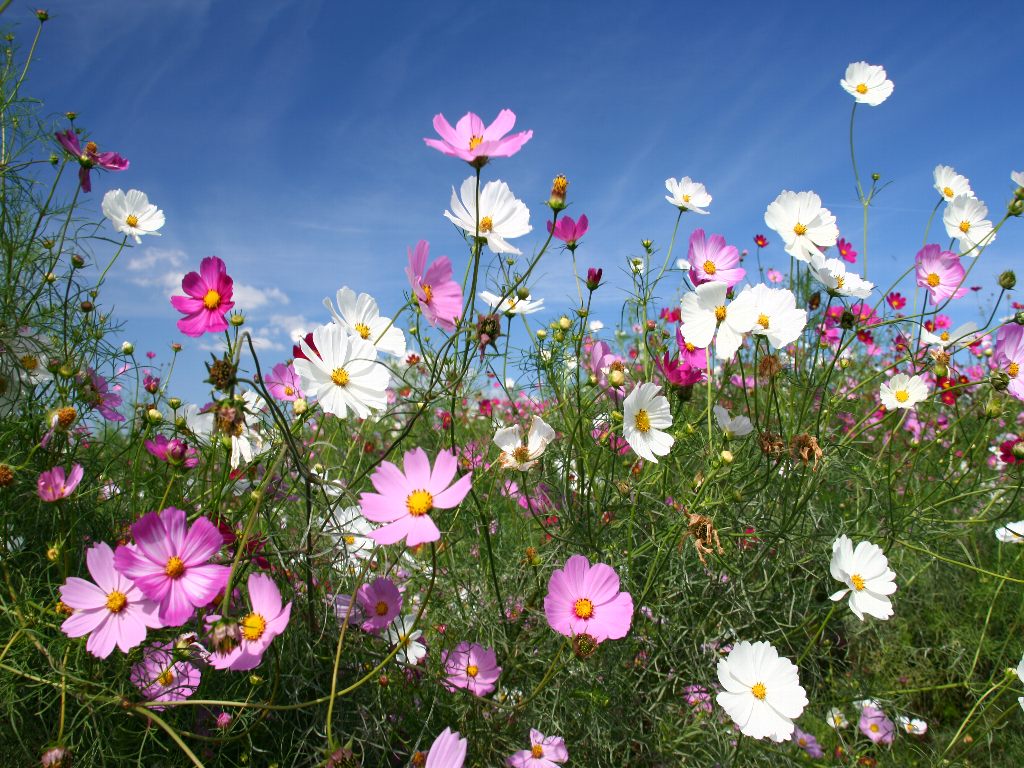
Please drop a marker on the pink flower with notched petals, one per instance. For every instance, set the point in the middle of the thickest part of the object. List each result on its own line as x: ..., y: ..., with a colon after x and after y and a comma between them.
x: 711, y: 260
x: 940, y: 272
x: 96, y: 391
x: 404, y: 500
x: 896, y: 300
x: 876, y: 726
x: 89, y: 157
x: 584, y: 599
x: 53, y: 485
x: 267, y: 619
x: 208, y: 299
x: 475, y: 143
x: 1009, y: 357
x: 693, y: 356
x: 283, y: 381
x: 113, y: 611
x: 544, y: 752
x: 164, y: 676
x: 447, y: 751
x: 439, y: 297
x: 471, y: 666
x: 381, y: 603
x: 175, y: 451
x: 168, y: 562
x: 569, y: 231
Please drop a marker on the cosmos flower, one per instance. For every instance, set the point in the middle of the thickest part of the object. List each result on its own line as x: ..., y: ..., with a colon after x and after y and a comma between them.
x: 896, y: 300
x: 965, y: 221
x: 164, y: 676
x: 438, y: 296
x: 284, y: 383
x: 472, y: 141
x: 132, y: 214
x: 343, y: 373
x: 760, y: 241
x: 89, y: 157
x: 512, y: 305
x: 112, y: 611
x: 865, y: 572
x: 804, y: 225
x: 360, y: 316
x: 902, y: 391
x: 472, y: 667
x: 570, y: 232
x: 53, y: 485
x: 404, y: 500
x: 836, y: 719
x: 207, y: 300
x: 733, y: 426
x: 544, y: 752
x: 912, y: 725
x: 808, y: 744
x: 266, y: 619
x: 950, y: 184
x: 940, y: 273
x: 584, y: 599
x: 1008, y: 356
x: 687, y: 195
x: 867, y: 83
x: 963, y: 336
x: 174, y: 451
x: 95, y: 390
x: 381, y: 603
x: 706, y: 317
x: 402, y: 633
x: 1011, y: 533
x: 645, y: 417
x: 501, y: 214
x: 712, y: 260
x: 833, y: 275
x: 762, y: 692
x: 778, y: 318
x: 447, y: 751
x: 876, y: 726
x: 846, y: 252
x: 515, y: 455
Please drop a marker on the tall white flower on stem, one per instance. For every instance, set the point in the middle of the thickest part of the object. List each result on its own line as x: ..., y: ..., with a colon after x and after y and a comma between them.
x: 867, y: 83
x: 762, y: 695
x: 902, y: 391
x: 515, y: 455
x: 778, y: 318
x: 343, y: 372
x: 833, y: 275
x: 732, y: 426
x: 360, y: 316
x: 950, y: 184
x: 645, y: 415
x: 962, y: 336
x: 401, y: 632
x: 687, y: 195
x: 502, y: 215
x: 866, y: 574
x: 965, y: 221
x: 132, y: 214
x: 803, y: 224
x: 705, y: 314
x: 512, y: 305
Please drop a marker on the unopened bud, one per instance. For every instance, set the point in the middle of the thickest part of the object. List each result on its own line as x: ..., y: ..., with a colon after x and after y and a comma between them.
x: 559, y: 336
x: 50, y: 277
x: 541, y: 333
x: 999, y: 380
x: 87, y: 306
x: 616, y: 378
x: 299, y: 406
x: 1007, y: 280
x: 77, y: 261
x: 727, y: 457
x: 558, y: 189
x: 523, y: 292
x: 564, y: 323
x: 1018, y: 451
x: 876, y: 176
x: 237, y: 319
x: 42, y: 15
x: 174, y: 402
x: 1016, y: 207
x: 647, y: 245
x: 154, y: 416
x: 127, y: 348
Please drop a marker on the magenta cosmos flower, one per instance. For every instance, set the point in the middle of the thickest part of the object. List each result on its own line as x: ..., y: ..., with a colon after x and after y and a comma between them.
x: 113, y: 611
x: 711, y: 260
x: 283, y: 381
x: 52, y: 485
x: 168, y: 562
x: 96, y: 391
x: 876, y: 726
x: 544, y: 752
x: 447, y: 751
x: 439, y: 297
x: 164, y: 676
x: 208, y: 299
x: 404, y: 500
x: 267, y: 619
x: 381, y: 603
x: 940, y: 272
x: 90, y: 157
x: 471, y: 666
x: 1009, y: 357
x: 175, y: 451
x: 570, y: 232
x: 846, y: 251
x: 584, y: 599
x: 471, y: 141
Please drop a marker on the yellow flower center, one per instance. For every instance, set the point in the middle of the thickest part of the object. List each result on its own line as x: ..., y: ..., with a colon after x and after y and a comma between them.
x: 211, y: 300
x: 873, y: 727
x: 858, y: 581
x: 537, y: 751
x: 253, y: 626
x: 116, y: 601
x: 583, y: 608
x: 642, y: 420
x: 381, y: 608
x: 428, y: 293
x: 709, y: 267
x: 933, y: 279
x: 166, y: 677
x: 363, y: 330
x: 486, y: 224
x: 948, y: 192
x: 289, y: 390
x: 29, y: 362
x: 175, y: 567
x: 474, y: 142
x: 339, y: 376
x: 132, y: 220
x: 800, y: 229
x: 720, y: 312
x: 91, y: 147
x: 762, y: 320
x: 944, y: 335
x: 686, y: 198
x: 419, y: 503
x: 521, y: 454
x: 861, y: 88
x: 560, y: 184
x: 1013, y: 369
x: 472, y: 670
x: 350, y: 540
x: 965, y: 227
x: 840, y: 280
x: 902, y: 395
x: 759, y: 691
x: 690, y: 347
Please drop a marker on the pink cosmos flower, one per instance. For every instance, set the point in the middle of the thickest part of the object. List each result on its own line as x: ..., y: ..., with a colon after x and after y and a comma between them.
x: 1009, y: 357
x: 570, y: 232
x: 175, y: 451
x: 544, y: 752
x: 876, y: 726
x: 697, y: 696
x: 52, y: 485
x: 89, y: 158
x: 807, y: 742
x: 940, y: 272
x: 677, y: 373
x: 283, y: 382
x: 846, y: 250
x: 471, y: 666
x: 381, y: 602
x: 113, y: 611
x: 258, y: 628
x: 693, y: 356
x: 164, y: 676
x: 471, y: 141
x: 168, y: 562
x: 447, y: 751
x: 585, y: 600
x: 96, y: 391
x: 712, y: 260
x: 208, y: 299
x: 404, y: 500
x: 439, y: 297
x: 774, y: 276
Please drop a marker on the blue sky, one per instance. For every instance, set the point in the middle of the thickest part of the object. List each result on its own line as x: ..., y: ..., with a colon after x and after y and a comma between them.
x: 286, y: 138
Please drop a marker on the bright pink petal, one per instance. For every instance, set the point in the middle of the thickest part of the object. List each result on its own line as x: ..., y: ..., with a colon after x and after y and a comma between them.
x: 264, y: 595
x: 202, y: 583
x: 202, y: 542
x: 176, y: 608
x: 151, y: 539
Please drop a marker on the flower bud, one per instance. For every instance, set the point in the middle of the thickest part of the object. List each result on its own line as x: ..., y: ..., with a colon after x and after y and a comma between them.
x: 727, y: 457
x: 6, y: 475
x: 876, y: 177
x: 993, y: 408
x: 559, y: 336
x: 55, y: 757
x: 1018, y: 317
x: 1016, y: 207
x: 299, y: 406
x: 127, y: 348
x: 153, y: 416
x: 594, y: 278
x: 42, y: 15
x: 999, y: 380
x: 53, y: 552
x: 583, y: 313
x: 174, y: 402
x: 542, y: 333
x: 1018, y: 451
x: 584, y: 646
x: 225, y: 635
x: 175, y: 347
x: 1007, y: 280
x: 564, y: 323
x: 648, y: 246
x: 87, y: 306
x: 523, y: 292
x: 847, y: 320
x: 558, y: 189
x: 77, y: 261
x: 237, y: 319
x: 616, y: 377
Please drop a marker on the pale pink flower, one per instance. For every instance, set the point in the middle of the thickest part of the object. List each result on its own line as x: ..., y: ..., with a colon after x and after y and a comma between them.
x: 447, y: 751
x: 584, y: 599
x: 471, y: 666
x: 52, y: 485
x: 544, y: 752
x: 380, y: 602
x: 940, y: 273
x: 164, y: 676
x: 712, y: 260
x: 267, y: 619
x: 439, y: 297
x: 475, y: 143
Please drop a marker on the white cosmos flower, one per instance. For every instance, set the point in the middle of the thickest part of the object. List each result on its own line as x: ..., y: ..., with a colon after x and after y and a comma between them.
x: 132, y: 214
x: 512, y: 305
x: 912, y: 725
x: 950, y: 184
x: 401, y: 633
x: 833, y: 275
x: 965, y: 221
x: 705, y: 312
x: 1011, y: 533
x: 866, y: 574
x: 345, y: 374
x: 962, y: 336
x: 687, y: 195
x: 501, y: 214
x: 1020, y: 674
x: 360, y: 316
x: 778, y: 319
x: 836, y: 719
x: 352, y: 531
x: 902, y: 391
x: 1017, y: 177
x: 762, y: 692
x: 803, y: 224
x: 515, y: 455
x: 733, y: 426
x: 645, y: 415
x: 595, y: 325
x: 867, y: 83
